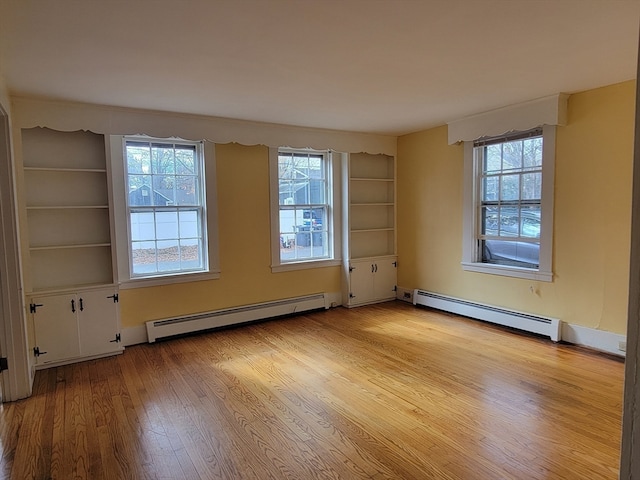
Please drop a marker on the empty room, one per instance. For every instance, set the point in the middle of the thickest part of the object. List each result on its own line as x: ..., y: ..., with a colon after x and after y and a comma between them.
x: 356, y: 239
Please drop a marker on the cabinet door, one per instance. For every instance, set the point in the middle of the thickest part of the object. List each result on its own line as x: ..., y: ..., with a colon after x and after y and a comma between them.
x: 361, y: 282
x: 385, y: 277
x: 56, y: 328
x: 98, y: 322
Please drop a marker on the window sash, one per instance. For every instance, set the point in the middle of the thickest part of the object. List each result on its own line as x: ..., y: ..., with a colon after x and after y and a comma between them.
x: 184, y: 250
x: 508, y: 211
x: 303, y: 238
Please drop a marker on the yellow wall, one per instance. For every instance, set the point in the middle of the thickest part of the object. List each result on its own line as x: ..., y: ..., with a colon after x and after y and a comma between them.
x: 245, y: 255
x: 594, y: 155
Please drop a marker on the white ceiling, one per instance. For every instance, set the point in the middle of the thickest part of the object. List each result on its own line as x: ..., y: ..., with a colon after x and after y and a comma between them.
x: 379, y: 66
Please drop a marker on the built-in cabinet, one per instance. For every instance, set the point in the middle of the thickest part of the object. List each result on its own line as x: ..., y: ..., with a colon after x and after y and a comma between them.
x: 370, y: 223
x: 372, y: 280
x: 74, y: 325
x: 68, y: 231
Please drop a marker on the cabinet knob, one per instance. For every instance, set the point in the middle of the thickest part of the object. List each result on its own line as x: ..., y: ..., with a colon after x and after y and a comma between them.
x: 73, y: 306
x: 81, y: 305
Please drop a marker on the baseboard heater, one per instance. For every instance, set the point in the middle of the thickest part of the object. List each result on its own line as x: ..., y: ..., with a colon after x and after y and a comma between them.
x: 551, y: 327
x: 231, y: 316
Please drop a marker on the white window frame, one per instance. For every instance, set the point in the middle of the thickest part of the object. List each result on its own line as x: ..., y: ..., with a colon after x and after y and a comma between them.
x: 116, y: 152
x: 333, y: 213
x: 471, y: 224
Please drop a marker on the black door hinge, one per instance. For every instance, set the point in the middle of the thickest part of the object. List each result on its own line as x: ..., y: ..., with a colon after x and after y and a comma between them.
x: 4, y: 365
x: 351, y: 269
x: 33, y: 307
x: 37, y: 352
x: 116, y: 340
x: 395, y: 264
x: 115, y: 297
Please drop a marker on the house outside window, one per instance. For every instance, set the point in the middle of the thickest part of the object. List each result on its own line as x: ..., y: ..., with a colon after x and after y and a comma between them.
x: 166, y: 207
x: 303, y: 218
x: 509, y: 212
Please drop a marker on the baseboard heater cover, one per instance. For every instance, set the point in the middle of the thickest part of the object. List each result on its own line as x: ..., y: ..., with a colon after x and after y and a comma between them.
x: 551, y: 327
x: 231, y: 316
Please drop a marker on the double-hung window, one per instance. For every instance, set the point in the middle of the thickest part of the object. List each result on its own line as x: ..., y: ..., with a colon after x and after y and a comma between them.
x: 510, y: 217
x: 166, y: 208
x: 302, y: 199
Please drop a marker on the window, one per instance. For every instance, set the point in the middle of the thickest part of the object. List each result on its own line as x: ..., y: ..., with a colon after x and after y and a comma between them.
x: 165, y: 202
x: 302, y: 215
x: 510, y: 209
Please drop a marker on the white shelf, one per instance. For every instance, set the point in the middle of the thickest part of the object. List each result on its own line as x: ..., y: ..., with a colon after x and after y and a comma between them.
x: 63, y: 247
x: 362, y: 179
x: 67, y: 206
x: 366, y: 230
x: 371, y: 208
x: 54, y: 169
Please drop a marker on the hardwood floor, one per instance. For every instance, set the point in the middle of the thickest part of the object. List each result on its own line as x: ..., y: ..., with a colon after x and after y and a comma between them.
x: 389, y: 391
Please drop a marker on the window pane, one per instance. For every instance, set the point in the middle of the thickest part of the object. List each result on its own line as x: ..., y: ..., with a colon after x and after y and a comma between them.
x: 530, y: 222
x: 512, y: 253
x: 140, y: 190
x: 509, y: 222
x: 138, y: 158
x: 512, y: 155
x: 510, y: 187
x: 532, y: 186
x: 317, y: 191
x: 493, y: 158
x: 533, y: 152
x: 490, y: 223
x: 162, y: 194
x: 490, y: 188
x: 162, y: 159
x: 168, y: 256
x: 185, y: 160
x: 143, y: 258
x: 142, y: 226
x: 285, y: 167
x: 166, y: 225
x: 188, y: 224
x: 190, y: 254
x: 315, y: 167
x: 186, y: 193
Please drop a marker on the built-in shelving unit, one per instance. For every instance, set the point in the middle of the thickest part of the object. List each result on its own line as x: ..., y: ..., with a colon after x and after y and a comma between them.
x: 371, y: 227
x: 71, y: 297
x: 67, y: 206
x: 371, y: 205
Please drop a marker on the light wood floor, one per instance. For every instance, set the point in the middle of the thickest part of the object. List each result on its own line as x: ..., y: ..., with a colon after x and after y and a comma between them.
x: 383, y: 392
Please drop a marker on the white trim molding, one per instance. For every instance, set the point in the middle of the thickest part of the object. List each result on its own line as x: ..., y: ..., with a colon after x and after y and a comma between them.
x: 592, y: 338
x: 68, y: 116
x: 550, y: 110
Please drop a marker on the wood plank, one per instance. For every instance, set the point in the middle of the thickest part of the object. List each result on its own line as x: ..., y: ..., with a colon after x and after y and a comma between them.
x: 379, y: 392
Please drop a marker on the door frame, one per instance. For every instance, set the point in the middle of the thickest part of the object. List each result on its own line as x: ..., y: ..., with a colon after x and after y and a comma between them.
x: 17, y: 379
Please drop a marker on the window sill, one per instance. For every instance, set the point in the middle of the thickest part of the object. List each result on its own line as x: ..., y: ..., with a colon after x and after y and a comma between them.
x: 169, y: 279
x: 508, y: 271
x: 287, y: 267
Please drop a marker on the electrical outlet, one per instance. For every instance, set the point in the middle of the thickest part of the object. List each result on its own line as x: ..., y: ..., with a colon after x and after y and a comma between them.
x: 407, y: 295
x: 622, y: 346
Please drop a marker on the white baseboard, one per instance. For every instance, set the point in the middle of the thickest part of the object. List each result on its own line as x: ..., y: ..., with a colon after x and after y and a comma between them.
x: 134, y: 335
x: 593, y: 338
x: 404, y: 294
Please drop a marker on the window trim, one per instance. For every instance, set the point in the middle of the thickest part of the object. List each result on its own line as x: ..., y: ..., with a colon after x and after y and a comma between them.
x: 333, y: 214
x: 122, y: 237
x: 470, y: 220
